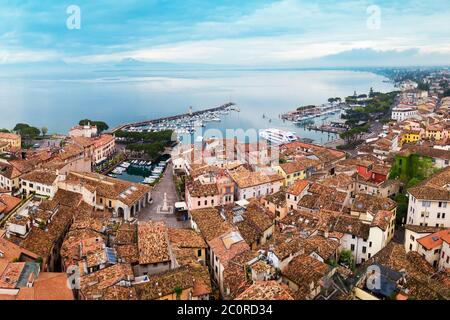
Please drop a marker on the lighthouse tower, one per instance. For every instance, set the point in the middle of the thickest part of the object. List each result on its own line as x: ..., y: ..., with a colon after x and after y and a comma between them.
x: 190, y: 111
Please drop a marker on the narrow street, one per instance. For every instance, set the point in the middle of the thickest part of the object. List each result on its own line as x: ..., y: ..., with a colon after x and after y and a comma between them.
x: 155, y: 212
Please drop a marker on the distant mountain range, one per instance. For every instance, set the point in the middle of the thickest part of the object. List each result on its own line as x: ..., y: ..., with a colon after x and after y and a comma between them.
x: 353, y: 59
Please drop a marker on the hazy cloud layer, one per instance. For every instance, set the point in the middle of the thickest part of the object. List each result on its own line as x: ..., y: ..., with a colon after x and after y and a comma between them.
x: 248, y: 33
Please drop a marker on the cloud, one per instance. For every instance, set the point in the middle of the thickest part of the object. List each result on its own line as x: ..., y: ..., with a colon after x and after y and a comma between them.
x: 253, y: 32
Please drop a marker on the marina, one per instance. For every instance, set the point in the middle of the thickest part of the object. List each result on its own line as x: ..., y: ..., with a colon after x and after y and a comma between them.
x: 185, y: 123
x: 307, y: 113
x: 141, y: 171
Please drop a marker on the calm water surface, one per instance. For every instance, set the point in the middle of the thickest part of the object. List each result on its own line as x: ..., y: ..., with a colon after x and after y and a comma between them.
x: 60, y: 103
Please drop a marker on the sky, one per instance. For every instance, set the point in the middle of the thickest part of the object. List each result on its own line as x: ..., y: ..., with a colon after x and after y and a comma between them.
x: 235, y: 32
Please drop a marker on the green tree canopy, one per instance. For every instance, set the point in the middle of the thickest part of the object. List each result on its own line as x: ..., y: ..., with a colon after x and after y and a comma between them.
x: 26, y: 131
x: 101, y: 126
x: 346, y: 258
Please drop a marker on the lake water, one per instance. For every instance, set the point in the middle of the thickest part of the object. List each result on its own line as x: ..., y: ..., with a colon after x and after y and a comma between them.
x: 118, y: 97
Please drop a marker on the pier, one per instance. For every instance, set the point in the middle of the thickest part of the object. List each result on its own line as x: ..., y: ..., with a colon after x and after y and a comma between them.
x: 171, y: 118
x: 326, y: 128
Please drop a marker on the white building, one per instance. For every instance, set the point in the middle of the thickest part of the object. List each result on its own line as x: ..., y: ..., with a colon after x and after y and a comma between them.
x: 222, y: 250
x: 414, y: 233
x: 401, y: 113
x: 365, y: 240
x: 429, y: 201
x: 39, y: 182
x: 251, y: 184
x: 86, y: 131
x: 433, y: 247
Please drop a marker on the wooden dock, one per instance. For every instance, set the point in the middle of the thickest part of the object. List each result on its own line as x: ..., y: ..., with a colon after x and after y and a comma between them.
x: 171, y: 118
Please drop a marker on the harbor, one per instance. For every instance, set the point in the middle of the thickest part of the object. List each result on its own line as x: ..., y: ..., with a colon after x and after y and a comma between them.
x: 140, y: 171
x: 307, y: 113
x: 185, y: 123
x: 331, y: 127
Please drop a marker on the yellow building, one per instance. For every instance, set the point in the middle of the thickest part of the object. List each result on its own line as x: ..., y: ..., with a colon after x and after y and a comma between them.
x: 409, y: 136
x: 13, y: 140
x: 291, y: 172
x: 4, y: 146
x: 435, y: 133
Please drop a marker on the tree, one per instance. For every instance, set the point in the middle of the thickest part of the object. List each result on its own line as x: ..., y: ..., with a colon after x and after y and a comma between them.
x: 346, y: 258
x: 26, y: 131
x: 4, y: 130
x: 44, y: 131
x: 178, y: 291
x: 101, y: 126
x: 423, y: 86
x: 402, y: 207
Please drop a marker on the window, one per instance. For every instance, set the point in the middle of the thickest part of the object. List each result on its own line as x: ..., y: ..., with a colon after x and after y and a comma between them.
x: 364, y: 249
x: 410, y: 246
x: 353, y: 236
x: 411, y: 237
x: 352, y: 247
x: 426, y: 204
x: 370, y: 244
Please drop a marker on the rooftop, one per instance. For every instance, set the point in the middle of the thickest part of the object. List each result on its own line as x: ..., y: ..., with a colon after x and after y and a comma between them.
x: 227, y: 246
x: 266, y: 290
x: 245, y: 178
x: 436, y: 188
x: 210, y: 223
x: 165, y: 283
x: 109, y: 188
x: 95, y: 285
x: 304, y: 269
x: 153, y: 242
x: 435, y: 240
x: 298, y: 187
x: 41, y: 176
x: 186, y: 238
